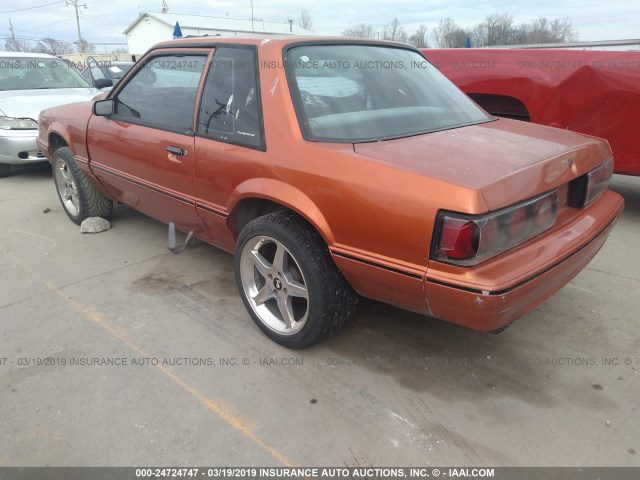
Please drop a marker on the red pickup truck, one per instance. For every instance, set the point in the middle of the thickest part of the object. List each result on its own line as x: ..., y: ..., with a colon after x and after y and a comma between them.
x: 592, y: 92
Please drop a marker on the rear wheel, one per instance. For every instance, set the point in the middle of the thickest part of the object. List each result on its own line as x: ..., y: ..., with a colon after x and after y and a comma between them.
x: 79, y: 198
x: 288, y: 281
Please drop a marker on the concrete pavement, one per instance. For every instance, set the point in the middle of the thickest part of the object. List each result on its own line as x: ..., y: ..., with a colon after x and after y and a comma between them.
x: 118, y: 353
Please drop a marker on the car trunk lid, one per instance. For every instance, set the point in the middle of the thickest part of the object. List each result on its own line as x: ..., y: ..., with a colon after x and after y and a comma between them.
x: 505, y: 160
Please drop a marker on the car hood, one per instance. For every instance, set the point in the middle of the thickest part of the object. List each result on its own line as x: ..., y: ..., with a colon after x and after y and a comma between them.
x: 29, y: 103
x: 505, y: 160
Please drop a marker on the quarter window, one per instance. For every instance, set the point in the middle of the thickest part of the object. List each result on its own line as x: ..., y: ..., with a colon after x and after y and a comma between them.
x: 230, y: 107
x: 163, y: 93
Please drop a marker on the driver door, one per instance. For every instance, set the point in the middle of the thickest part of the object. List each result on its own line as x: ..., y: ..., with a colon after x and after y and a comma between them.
x: 143, y: 153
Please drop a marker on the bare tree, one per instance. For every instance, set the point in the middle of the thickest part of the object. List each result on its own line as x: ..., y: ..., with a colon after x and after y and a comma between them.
x: 419, y: 38
x: 496, y: 29
x: 394, y: 31
x: 448, y: 34
x: 478, y: 34
x: 519, y: 34
x: 542, y: 30
x: 499, y: 29
x: 17, y: 45
x: 538, y: 31
x: 304, y: 20
x: 86, y: 47
x: 52, y: 46
x: 361, y: 30
x: 562, y: 30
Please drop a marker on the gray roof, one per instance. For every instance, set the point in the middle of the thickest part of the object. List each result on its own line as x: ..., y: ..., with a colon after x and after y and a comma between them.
x: 202, y: 22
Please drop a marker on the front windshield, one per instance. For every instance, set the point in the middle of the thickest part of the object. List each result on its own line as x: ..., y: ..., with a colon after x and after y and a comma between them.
x: 362, y: 93
x: 27, y: 73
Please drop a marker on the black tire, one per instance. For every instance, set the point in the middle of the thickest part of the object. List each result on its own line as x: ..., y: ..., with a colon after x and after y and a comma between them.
x: 89, y: 202
x: 5, y: 170
x: 330, y: 301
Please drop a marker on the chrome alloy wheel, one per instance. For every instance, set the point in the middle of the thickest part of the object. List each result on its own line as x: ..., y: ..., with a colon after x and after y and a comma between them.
x: 67, y: 188
x: 274, y: 285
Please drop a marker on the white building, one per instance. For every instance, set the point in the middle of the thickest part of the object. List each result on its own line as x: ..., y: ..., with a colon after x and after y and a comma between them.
x: 151, y: 28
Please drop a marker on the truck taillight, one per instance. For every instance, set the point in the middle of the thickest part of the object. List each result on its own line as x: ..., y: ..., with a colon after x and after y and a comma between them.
x: 586, y: 188
x: 467, y: 240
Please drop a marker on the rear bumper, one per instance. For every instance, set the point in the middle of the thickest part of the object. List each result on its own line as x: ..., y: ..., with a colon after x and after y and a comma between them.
x: 491, y: 309
x: 19, y: 147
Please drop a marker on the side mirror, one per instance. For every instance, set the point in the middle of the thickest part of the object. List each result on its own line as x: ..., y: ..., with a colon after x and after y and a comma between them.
x: 102, y: 108
x: 103, y: 83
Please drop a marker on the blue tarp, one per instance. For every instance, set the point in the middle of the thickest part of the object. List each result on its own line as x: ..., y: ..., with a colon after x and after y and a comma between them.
x: 177, y: 33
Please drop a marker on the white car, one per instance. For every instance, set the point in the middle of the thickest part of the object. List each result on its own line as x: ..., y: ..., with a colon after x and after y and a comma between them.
x: 30, y: 83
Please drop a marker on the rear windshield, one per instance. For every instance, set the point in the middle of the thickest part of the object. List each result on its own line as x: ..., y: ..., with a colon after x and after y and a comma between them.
x: 363, y: 93
x: 28, y: 73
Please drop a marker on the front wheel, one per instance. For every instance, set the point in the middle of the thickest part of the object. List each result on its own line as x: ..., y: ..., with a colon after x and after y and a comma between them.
x: 288, y: 281
x: 78, y: 196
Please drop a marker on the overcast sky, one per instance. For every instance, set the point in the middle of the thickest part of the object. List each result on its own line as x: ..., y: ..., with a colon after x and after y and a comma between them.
x: 104, y: 21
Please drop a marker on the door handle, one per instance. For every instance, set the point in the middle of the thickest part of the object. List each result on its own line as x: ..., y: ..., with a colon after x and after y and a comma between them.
x: 177, y: 151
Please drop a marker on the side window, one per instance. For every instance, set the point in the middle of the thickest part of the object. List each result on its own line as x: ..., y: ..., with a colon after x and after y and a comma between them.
x: 230, y: 106
x: 162, y: 93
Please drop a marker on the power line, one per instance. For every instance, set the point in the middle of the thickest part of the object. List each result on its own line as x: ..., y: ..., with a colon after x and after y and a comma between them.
x: 48, y: 13
x: 47, y: 25
x: 34, y: 39
x: 102, y: 26
x: 32, y: 8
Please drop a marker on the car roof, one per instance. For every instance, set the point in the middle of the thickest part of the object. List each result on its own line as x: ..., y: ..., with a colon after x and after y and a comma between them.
x: 260, y: 40
x: 26, y: 54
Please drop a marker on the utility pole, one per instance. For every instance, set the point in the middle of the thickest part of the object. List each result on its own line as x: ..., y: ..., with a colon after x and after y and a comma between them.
x: 13, y: 35
x: 74, y: 3
x: 252, y: 29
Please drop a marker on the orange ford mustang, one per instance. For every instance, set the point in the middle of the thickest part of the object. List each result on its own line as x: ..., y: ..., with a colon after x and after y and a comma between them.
x: 336, y: 167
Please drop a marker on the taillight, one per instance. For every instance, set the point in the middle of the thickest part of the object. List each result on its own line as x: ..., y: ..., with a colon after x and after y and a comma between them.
x: 586, y: 188
x: 468, y: 240
x: 459, y: 238
x: 598, y: 180
x: 546, y: 211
